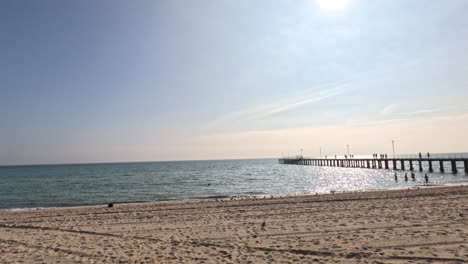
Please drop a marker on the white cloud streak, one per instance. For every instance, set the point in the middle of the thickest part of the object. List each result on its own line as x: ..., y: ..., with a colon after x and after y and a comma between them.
x: 285, y: 105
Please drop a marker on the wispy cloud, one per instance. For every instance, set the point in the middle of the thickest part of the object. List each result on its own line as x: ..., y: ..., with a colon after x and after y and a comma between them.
x: 419, y: 112
x: 285, y: 105
x: 388, y: 109
x: 391, y: 110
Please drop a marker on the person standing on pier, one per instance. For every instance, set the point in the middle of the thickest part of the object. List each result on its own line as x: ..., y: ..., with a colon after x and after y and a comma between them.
x: 428, y: 155
x: 426, y: 178
x: 420, y: 155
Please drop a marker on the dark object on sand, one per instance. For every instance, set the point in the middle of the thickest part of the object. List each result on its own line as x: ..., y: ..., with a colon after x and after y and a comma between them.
x: 110, y: 205
x: 263, y: 224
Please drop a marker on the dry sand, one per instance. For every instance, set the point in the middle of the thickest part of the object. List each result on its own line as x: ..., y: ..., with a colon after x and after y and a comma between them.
x: 405, y: 226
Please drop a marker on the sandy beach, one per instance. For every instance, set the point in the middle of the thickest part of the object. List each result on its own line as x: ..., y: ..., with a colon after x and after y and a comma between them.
x: 426, y: 225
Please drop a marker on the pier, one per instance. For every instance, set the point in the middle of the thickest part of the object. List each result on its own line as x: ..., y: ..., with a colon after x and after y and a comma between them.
x: 382, y: 163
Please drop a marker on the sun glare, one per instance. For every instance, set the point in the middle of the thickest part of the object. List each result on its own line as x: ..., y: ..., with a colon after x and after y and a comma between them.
x: 333, y: 5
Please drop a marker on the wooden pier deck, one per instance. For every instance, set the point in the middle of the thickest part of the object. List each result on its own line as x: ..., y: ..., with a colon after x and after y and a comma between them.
x: 382, y: 163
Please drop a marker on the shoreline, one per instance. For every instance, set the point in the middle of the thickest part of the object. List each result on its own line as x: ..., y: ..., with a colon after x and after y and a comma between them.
x: 224, y: 198
x: 428, y: 224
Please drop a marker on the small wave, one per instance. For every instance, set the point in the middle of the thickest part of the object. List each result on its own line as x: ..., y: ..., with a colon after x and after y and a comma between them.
x: 214, y: 197
x: 26, y: 209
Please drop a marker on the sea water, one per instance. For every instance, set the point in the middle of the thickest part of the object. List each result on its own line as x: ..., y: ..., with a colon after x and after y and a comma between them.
x: 90, y: 184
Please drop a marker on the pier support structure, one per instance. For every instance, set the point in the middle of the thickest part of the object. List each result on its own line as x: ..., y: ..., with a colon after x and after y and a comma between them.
x: 430, y: 166
x: 441, y: 166
x: 454, y: 166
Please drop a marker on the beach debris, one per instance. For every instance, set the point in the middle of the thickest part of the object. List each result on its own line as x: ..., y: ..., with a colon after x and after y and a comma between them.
x: 263, y: 225
x: 110, y: 205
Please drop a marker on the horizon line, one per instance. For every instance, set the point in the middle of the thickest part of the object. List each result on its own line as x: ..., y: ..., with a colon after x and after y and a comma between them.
x: 123, y: 162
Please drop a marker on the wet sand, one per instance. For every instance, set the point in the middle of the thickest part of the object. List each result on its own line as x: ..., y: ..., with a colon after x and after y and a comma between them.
x: 427, y: 225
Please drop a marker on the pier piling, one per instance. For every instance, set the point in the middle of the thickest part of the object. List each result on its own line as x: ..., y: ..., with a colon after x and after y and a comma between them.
x: 454, y: 166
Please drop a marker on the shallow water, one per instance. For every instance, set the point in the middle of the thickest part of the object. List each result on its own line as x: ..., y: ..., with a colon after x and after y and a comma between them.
x: 88, y: 184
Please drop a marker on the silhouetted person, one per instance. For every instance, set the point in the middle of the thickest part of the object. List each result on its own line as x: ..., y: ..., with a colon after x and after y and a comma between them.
x: 428, y: 155
x: 426, y: 178
x: 420, y: 155
x: 412, y: 176
x: 396, y: 177
x: 406, y: 176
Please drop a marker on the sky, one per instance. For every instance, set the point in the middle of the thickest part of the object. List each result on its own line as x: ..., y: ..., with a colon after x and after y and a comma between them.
x: 111, y: 80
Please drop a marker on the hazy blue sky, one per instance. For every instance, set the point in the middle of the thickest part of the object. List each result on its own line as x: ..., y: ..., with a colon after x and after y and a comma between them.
x: 91, y: 81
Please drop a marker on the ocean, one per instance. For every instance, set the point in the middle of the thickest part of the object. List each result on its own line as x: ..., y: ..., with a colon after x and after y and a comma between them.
x: 38, y: 186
